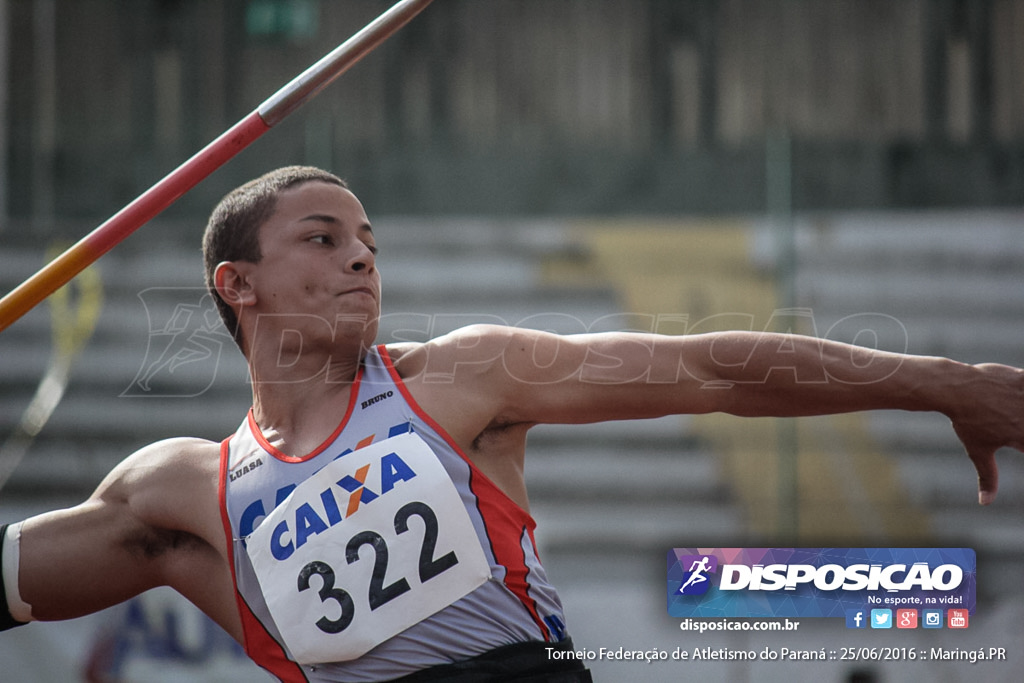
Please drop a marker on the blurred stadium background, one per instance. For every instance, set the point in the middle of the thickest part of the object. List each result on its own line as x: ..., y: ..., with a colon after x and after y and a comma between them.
x: 845, y: 168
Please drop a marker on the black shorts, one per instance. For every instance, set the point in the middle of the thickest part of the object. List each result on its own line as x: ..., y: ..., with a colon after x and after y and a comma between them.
x: 520, y: 662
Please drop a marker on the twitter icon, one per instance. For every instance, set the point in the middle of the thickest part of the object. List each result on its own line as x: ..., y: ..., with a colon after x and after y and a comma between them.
x: 881, y: 618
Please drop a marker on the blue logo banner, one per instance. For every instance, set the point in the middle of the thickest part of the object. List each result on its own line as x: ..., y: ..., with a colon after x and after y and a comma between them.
x: 819, y: 582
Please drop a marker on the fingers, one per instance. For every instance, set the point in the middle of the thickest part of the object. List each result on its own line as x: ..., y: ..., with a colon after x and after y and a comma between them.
x: 988, y: 475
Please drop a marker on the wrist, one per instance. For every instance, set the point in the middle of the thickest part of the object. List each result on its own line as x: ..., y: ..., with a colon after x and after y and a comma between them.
x: 13, y: 610
x: 946, y: 387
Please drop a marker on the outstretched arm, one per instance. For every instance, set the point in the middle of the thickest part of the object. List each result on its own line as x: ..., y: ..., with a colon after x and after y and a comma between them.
x: 543, y: 377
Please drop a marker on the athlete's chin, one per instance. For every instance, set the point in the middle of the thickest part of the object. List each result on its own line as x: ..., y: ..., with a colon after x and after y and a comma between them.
x: 359, y: 327
x: 354, y: 304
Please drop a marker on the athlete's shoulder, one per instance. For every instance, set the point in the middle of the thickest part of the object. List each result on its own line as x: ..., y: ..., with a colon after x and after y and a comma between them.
x: 180, y: 450
x: 170, y: 463
x: 473, y: 345
x: 164, y: 488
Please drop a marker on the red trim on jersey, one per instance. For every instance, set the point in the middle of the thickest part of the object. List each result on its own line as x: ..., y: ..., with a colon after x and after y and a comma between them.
x: 269, y: 448
x: 259, y: 645
x: 504, y: 519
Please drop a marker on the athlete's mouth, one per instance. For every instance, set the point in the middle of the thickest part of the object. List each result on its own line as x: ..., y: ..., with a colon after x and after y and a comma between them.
x: 360, y: 290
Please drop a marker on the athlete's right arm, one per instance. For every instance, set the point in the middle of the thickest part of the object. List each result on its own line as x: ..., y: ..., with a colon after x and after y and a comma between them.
x: 154, y: 520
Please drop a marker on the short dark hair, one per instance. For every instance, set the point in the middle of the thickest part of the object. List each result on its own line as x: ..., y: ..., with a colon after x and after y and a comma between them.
x: 232, y: 233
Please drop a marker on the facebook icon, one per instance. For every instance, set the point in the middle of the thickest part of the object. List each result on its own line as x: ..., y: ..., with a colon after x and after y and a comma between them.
x: 856, y: 618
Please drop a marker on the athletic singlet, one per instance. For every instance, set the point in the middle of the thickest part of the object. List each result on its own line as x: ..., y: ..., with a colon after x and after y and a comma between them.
x: 516, y: 604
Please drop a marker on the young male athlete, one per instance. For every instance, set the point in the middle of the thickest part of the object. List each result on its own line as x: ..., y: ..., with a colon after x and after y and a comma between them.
x: 369, y: 519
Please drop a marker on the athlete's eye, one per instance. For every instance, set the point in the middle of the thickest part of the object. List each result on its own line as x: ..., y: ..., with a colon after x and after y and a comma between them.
x: 321, y: 239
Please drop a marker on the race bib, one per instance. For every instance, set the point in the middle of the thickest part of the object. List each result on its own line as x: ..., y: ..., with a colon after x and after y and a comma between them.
x: 373, y: 543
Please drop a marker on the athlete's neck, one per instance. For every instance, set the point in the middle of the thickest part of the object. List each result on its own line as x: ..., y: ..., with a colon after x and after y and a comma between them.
x: 301, y: 404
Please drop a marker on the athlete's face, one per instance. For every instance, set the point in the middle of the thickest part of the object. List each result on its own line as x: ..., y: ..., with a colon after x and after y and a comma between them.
x: 317, y: 262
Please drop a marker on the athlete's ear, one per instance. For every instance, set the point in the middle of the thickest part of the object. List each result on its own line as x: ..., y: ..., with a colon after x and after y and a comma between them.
x: 231, y: 280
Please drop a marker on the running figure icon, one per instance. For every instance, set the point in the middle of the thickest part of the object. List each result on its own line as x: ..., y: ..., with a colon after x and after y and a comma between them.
x: 697, y: 570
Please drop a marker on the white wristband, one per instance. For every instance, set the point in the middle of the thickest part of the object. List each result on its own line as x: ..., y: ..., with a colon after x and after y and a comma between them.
x: 19, y: 609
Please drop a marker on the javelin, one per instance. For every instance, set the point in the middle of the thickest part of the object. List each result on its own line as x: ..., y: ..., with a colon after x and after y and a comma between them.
x: 182, y: 179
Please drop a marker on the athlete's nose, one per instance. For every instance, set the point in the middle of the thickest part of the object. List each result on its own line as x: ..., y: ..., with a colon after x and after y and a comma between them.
x: 362, y: 260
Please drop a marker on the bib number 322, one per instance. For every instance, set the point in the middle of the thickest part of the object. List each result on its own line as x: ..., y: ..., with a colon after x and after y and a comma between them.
x: 378, y: 593
x: 406, y: 549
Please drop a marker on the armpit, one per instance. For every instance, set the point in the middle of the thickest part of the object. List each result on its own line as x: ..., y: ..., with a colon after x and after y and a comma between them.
x: 153, y: 543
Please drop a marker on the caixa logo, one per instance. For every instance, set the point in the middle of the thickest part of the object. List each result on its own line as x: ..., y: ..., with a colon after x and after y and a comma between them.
x: 341, y: 500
